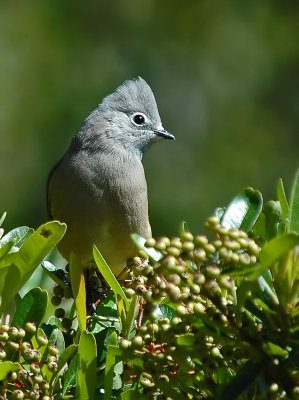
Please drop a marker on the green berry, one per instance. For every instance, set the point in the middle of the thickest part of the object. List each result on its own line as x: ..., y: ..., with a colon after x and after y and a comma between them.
x: 13, y: 332
x: 201, y: 240
x: 151, y: 242
x: 14, y: 346
x: 176, y: 242
x: 30, y: 327
x: 13, y: 376
x: 2, y: 354
x: 187, y: 246
x: 42, y: 340
x: 137, y: 342
x: 209, y: 248
x: 35, y: 368
x: 17, y: 394
x: 174, y: 278
x: 125, y: 344
x: 38, y: 378
x: 21, y: 333
x: 4, y: 328
x: 181, y: 310
x: 3, y: 336
x: 187, y: 236
x: 213, y: 271
x: 244, y: 259
x: 198, y: 308
x: 53, y: 350
x: 173, y: 251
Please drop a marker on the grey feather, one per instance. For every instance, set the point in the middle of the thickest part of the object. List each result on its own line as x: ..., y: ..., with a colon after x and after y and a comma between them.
x: 98, y: 188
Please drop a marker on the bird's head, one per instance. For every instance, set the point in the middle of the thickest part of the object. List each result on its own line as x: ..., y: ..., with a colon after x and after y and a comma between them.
x: 131, y: 117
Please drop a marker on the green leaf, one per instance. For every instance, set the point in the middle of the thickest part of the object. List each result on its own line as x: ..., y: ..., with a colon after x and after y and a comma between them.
x: 70, y: 376
x: 130, y: 394
x: 241, y: 381
x: 275, y: 249
x: 79, y: 290
x: 4, y: 250
x: 274, y: 350
x: 6, y: 367
x: 294, y: 205
x: 109, y: 275
x: 183, y: 228
x: 17, y: 236
x: 186, y: 339
x: 2, y: 218
x: 109, y: 369
x: 51, y: 270
x: 131, y: 316
x: 243, y: 210
x: 282, y: 199
x: 65, y: 356
x: 31, y: 308
x: 86, y: 368
x: 26, y: 260
x: 139, y: 241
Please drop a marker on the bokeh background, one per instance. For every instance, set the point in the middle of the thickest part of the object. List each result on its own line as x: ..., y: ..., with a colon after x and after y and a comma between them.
x: 225, y: 75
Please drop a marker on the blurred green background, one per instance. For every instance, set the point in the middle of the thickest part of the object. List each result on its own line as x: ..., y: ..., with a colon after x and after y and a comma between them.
x: 225, y: 76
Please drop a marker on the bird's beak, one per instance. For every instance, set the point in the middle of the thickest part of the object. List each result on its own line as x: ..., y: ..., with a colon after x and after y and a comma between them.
x: 163, y: 133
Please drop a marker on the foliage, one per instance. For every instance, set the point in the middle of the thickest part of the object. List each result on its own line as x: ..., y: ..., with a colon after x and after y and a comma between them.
x: 208, y: 316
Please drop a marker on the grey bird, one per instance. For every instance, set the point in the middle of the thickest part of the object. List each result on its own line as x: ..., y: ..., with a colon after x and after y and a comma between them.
x: 98, y: 188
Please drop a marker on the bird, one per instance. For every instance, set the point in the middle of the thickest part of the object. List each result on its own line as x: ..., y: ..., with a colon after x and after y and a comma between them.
x: 98, y: 188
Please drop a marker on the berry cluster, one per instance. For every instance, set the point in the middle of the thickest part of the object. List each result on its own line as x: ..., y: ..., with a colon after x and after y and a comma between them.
x: 191, y: 279
x: 36, y: 359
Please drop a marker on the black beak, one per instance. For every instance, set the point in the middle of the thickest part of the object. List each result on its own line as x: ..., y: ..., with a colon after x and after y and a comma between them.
x: 163, y: 133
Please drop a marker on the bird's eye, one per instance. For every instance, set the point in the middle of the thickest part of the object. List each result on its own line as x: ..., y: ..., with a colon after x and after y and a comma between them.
x: 138, y: 118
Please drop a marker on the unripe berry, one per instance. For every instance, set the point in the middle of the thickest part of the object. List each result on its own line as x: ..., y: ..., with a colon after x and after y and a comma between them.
x: 21, y: 333
x: 137, y: 342
x: 176, y: 242
x: 209, y: 248
x: 2, y: 354
x: 42, y: 340
x: 18, y: 394
x: 13, y: 332
x: 13, y: 376
x: 199, y: 254
x: 244, y: 259
x: 188, y: 246
x: 3, y: 336
x: 151, y: 242
x: 14, y: 346
x: 125, y: 344
x: 187, y: 236
x: 173, y: 251
x: 213, y: 271
x: 181, y: 310
x: 35, y: 368
x: 169, y: 262
x: 198, y: 308
x: 38, y: 378
x: 4, y: 328
x: 30, y: 327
